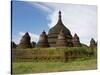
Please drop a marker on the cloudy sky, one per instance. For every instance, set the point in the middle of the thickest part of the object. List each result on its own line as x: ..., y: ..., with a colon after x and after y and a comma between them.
x: 34, y: 17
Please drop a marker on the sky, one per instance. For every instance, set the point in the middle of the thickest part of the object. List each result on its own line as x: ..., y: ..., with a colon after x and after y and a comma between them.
x: 34, y: 17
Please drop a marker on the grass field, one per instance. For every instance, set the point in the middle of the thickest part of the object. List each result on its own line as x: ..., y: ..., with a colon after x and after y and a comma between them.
x: 88, y: 63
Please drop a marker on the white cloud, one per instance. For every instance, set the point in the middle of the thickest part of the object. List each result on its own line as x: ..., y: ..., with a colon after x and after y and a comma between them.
x: 80, y: 19
x: 40, y: 6
x: 16, y: 39
x: 34, y: 37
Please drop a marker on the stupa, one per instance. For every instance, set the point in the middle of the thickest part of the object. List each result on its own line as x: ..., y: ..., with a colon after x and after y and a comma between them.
x: 76, y: 41
x: 43, y: 40
x: 25, y: 41
x: 54, y: 32
x: 93, y: 43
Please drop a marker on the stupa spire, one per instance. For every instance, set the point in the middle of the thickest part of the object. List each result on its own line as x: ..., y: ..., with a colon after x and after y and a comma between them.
x: 59, y: 18
x: 59, y: 14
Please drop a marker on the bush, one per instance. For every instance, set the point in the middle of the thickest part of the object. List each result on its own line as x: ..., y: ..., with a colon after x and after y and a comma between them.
x: 76, y: 52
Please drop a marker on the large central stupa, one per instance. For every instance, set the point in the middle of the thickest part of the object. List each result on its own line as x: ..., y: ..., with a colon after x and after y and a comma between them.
x: 54, y: 32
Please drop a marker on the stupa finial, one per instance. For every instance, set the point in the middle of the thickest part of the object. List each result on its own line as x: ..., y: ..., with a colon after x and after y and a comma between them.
x: 59, y: 14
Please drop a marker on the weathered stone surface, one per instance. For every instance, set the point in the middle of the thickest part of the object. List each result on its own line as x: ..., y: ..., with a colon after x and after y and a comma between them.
x: 25, y: 41
x: 76, y: 41
x: 61, y: 41
x: 93, y: 43
x: 54, y: 32
x: 43, y: 40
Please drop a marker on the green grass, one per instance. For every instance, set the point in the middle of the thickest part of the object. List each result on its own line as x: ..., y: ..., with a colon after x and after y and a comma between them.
x: 88, y: 63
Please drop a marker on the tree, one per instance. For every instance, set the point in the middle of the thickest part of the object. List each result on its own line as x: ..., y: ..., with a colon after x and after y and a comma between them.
x: 13, y: 45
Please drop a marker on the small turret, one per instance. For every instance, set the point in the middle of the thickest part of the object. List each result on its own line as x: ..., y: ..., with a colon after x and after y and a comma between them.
x: 76, y: 41
x: 43, y: 40
x: 93, y: 43
x: 25, y: 41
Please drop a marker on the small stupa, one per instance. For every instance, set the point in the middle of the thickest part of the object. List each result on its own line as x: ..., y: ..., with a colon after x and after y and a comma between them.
x: 93, y: 43
x: 25, y: 41
x: 61, y: 41
x: 76, y: 41
x: 43, y: 40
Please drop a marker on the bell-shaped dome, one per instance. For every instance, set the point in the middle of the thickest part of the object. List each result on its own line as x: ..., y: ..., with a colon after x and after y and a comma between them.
x: 54, y: 32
